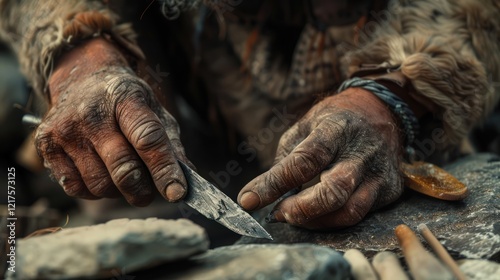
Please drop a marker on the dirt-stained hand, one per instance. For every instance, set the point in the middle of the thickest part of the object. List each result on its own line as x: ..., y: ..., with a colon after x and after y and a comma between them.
x: 105, y: 134
x: 351, y: 143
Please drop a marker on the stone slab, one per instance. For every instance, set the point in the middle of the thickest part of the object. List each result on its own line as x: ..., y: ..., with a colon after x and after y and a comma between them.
x: 468, y: 228
x: 264, y: 262
x: 108, y: 249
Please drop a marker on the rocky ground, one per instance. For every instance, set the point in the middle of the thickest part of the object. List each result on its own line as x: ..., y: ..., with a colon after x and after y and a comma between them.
x: 468, y: 228
x: 168, y: 249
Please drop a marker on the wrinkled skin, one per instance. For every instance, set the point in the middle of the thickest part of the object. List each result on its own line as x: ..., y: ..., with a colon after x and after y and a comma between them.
x: 105, y: 134
x: 352, y: 143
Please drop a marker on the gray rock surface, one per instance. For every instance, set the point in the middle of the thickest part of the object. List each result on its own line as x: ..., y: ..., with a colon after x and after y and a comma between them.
x: 300, y: 261
x: 108, y: 249
x: 468, y: 229
x: 480, y: 269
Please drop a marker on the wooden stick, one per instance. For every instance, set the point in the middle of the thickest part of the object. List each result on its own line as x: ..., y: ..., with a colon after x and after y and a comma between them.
x: 388, y: 267
x: 423, y: 265
x: 361, y: 268
x: 441, y: 251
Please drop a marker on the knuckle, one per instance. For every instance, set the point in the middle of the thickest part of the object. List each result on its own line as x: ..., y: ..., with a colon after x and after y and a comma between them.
x: 133, y: 190
x: 149, y: 134
x: 118, y: 85
x: 336, y: 125
x: 127, y: 175
x: 275, y: 183
x: 334, y: 195
x: 100, y: 185
x: 310, y: 157
x: 57, y: 131
x: 355, y: 214
x: 341, y: 186
x: 303, y: 163
x: 164, y: 171
x: 279, y: 180
x: 299, y: 215
x: 345, y: 126
x: 66, y: 130
x: 71, y: 187
x: 48, y: 150
x: 93, y: 115
x: 43, y: 141
x: 125, y: 86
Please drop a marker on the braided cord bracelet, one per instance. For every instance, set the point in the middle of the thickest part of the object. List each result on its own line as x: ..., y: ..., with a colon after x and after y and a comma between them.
x: 396, y: 104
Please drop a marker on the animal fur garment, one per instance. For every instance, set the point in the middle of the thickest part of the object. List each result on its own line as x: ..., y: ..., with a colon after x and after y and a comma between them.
x: 274, y: 56
x: 39, y: 31
x: 450, y: 50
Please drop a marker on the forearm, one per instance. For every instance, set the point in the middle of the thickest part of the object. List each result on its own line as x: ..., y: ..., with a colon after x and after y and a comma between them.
x: 88, y: 57
x: 448, y: 52
x: 40, y: 31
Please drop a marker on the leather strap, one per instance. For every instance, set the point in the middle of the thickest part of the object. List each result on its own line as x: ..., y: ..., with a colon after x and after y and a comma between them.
x: 395, y: 81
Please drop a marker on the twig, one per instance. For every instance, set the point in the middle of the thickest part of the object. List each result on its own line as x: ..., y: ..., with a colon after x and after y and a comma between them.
x: 423, y: 265
x: 441, y: 251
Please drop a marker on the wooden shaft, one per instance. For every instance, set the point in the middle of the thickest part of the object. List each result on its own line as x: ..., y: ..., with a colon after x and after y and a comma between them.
x: 423, y: 265
x: 441, y: 251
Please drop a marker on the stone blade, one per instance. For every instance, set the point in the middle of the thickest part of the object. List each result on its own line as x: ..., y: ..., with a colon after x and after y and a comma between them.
x: 212, y: 203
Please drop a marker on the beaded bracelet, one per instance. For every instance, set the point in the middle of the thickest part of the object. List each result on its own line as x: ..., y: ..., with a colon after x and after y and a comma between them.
x: 396, y: 104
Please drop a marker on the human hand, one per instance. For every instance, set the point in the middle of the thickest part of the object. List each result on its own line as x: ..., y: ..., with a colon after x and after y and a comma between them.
x: 105, y: 134
x: 352, y: 143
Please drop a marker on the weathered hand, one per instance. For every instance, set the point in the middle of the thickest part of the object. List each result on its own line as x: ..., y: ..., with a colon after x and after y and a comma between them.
x: 352, y: 143
x: 105, y: 134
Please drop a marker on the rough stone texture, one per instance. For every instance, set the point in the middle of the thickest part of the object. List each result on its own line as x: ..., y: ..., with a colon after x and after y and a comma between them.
x: 300, y: 261
x: 480, y: 269
x: 108, y: 249
x: 468, y: 229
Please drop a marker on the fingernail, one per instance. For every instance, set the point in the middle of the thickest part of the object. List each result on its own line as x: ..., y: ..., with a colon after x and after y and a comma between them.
x: 276, y: 216
x: 250, y: 201
x: 175, y: 192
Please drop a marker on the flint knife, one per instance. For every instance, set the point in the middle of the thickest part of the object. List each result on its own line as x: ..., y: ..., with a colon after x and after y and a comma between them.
x: 212, y: 203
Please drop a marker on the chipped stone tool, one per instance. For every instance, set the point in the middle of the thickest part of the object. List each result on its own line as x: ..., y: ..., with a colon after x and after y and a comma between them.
x: 212, y: 203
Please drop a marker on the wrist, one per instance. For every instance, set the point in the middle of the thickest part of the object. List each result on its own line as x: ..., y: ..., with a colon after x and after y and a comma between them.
x: 81, y: 61
x: 363, y: 101
x: 397, y: 83
x: 375, y: 112
x: 406, y: 119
